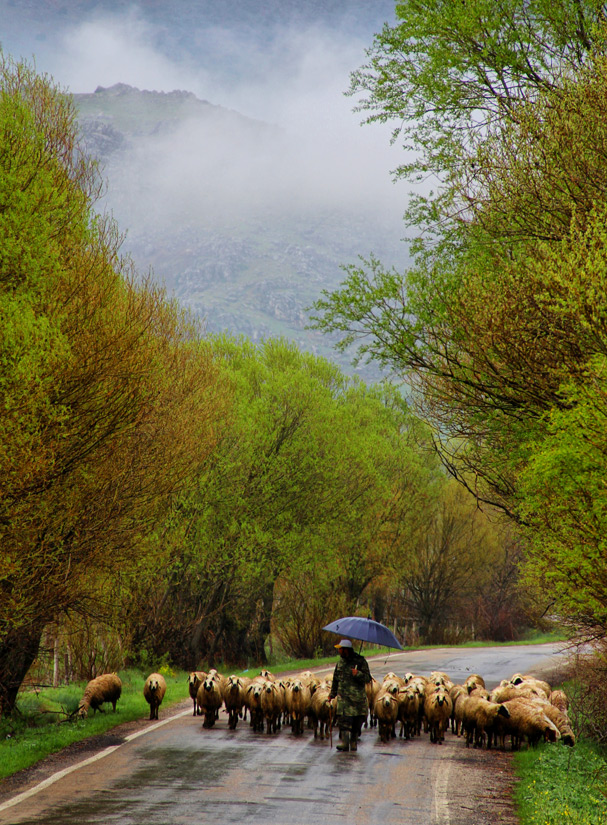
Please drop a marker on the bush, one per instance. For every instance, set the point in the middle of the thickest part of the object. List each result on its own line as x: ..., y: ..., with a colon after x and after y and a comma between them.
x: 587, y: 690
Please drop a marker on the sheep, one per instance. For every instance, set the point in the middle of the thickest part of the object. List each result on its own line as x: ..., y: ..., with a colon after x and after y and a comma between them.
x: 272, y: 704
x: 253, y: 702
x: 104, y: 688
x: 372, y: 689
x: 195, y: 679
x: 480, y: 718
x: 561, y: 720
x: 267, y: 676
x: 504, y: 693
x: 209, y: 701
x: 310, y: 680
x: 455, y: 692
x: 297, y: 702
x: 232, y: 691
x: 474, y: 680
x: 560, y: 700
x: 408, y: 712
x: 392, y: 677
x: 322, y: 711
x: 541, y: 687
x: 440, y: 677
x: 437, y: 711
x: 153, y: 692
x: 527, y: 721
x: 386, y: 711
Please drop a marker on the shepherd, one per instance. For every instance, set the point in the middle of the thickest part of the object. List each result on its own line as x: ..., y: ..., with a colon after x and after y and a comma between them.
x: 350, y: 676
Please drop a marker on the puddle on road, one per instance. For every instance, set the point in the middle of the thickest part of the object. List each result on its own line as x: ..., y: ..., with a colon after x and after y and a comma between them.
x: 163, y: 780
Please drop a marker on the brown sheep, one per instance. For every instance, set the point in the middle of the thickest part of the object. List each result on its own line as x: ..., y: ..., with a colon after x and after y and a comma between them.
x: 105, y: 688
x: 437, y: 711
x: 272, y: 705
x: 209, y: 701
x: 527, y: 721
x: 480, y: 718
x: 253, y: 702
x: 153, y: 692
x: 298, y: 701
x: 195, y: 679
x: 386, y: 712
x: 232, y: 691
x: 322, y: 711
x: 408, y: 712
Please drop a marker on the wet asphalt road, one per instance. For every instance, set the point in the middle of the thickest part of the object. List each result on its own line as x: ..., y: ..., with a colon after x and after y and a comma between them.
x: 180, y: 773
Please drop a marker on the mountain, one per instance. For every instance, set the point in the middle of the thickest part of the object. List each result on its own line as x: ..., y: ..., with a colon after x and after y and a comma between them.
x: 234, y: 164
x: 215, y: 204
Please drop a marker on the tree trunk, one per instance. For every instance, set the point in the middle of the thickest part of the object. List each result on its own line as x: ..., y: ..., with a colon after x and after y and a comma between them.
x: 18, y: 650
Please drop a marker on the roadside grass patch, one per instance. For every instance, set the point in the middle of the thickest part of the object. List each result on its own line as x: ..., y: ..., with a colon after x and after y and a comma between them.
x: 43, y: 722
x: 559, y: 785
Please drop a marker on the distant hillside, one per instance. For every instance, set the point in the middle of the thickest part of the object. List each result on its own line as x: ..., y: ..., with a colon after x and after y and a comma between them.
x: 244, y: 221
x: 215, y: 204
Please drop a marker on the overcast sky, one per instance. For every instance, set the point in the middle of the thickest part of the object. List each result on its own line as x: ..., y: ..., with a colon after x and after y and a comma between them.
x: 291, y: 76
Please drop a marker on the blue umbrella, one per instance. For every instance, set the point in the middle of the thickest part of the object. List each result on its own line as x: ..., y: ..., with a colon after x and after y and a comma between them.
x: 364, y: 630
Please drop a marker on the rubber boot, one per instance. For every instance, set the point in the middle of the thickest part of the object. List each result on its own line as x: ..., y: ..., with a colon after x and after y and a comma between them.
x: 344, y: 745
x: 353, y: 743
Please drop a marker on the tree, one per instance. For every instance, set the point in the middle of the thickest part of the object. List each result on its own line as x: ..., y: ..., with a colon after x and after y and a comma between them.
x: 314, y: 476
x: 448, y: 71
x: 109, y: 396
x: 500, y: 326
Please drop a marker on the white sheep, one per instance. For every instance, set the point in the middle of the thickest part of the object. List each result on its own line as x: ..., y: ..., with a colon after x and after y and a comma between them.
x: 104, y: 688
x: 408, y: 712
x: 153, y: 692
x: 253, y: 702
x: 481, y: 719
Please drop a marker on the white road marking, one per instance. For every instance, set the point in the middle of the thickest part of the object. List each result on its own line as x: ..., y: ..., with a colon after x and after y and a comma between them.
x: 60, y: 774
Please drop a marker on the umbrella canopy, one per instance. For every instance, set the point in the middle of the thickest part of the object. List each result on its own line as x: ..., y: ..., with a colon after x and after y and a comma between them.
x: 365, y: 630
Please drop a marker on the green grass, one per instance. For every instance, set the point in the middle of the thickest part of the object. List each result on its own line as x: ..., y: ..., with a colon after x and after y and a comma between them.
x: 41, y: 726
x: 559, y: 785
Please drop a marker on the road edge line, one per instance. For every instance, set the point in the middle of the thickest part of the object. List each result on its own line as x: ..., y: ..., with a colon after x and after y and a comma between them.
x: 50, y: 780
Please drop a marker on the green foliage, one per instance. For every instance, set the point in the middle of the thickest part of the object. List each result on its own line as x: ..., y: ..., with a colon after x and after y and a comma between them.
x: 558, y: 784
x: 313, y: 475
x: 500, y: 326
x: 108, y: 391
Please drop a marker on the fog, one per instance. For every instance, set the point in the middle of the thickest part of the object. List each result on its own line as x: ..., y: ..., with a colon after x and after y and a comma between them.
x: 292, y: 78
x: 246, y: 213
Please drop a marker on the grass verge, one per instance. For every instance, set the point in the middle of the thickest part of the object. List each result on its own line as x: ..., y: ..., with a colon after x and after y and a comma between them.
x: 558, y: 785
x: 42, y: 724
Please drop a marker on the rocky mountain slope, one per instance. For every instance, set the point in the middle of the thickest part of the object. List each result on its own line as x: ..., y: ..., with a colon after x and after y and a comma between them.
x: 211, y: 203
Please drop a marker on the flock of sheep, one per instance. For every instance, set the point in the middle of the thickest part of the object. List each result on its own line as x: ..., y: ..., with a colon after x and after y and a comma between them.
x: 522, y: 707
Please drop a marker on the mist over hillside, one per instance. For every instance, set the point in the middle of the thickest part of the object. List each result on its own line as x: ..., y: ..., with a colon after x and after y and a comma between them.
x: 234, y: 162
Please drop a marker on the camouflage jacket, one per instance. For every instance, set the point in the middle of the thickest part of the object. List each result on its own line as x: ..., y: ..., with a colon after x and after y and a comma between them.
x: 349, y: 689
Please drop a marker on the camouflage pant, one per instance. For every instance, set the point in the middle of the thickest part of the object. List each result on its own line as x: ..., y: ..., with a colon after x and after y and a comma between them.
x: 353, y: 724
